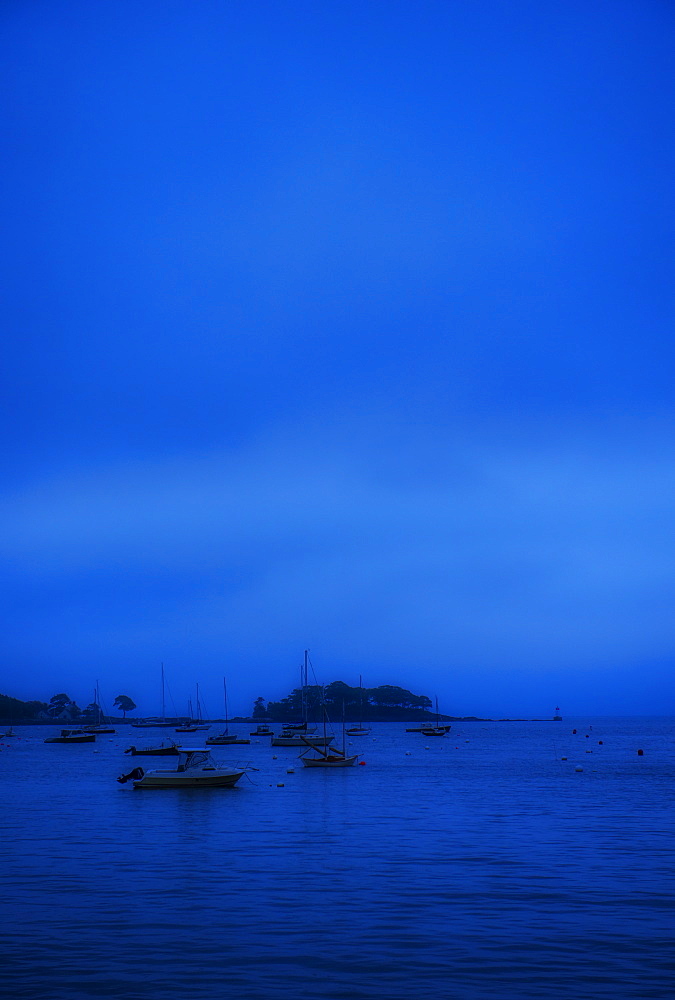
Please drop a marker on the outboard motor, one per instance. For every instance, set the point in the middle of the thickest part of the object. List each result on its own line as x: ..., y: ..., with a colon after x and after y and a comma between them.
x: 134, y: 775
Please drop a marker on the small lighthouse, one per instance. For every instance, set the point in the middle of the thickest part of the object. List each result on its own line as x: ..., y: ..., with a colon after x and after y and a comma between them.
x: 557, y: 717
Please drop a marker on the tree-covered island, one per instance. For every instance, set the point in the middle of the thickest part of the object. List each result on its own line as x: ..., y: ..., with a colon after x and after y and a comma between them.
x: 387, y: 703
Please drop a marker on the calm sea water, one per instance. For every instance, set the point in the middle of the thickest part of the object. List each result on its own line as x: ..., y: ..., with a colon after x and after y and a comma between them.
x: 479, y: 866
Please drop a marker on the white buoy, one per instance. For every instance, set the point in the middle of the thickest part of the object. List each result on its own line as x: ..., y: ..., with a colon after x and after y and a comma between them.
x: 280, y: 784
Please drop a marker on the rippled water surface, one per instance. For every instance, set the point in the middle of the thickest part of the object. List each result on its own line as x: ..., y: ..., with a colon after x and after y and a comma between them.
x: 476, y: 866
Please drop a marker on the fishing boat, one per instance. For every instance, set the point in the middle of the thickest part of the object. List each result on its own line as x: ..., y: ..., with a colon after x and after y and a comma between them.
x: 262, y: 730
x: 327, y: 756
x: 72, y: 736
x: 161, y: 751
x: 195, y: 768
x: 359, y: 730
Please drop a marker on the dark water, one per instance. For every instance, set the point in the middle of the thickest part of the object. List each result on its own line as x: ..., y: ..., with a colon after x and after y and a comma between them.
x: 481, y: 867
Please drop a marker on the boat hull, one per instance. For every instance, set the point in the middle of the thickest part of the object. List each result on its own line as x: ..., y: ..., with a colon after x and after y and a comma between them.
x: 421, y: 729
x: 202, y: 779
x: 70, y: 739
x: 329, y: 762
x: 153, y: 725
x: 299, y: 741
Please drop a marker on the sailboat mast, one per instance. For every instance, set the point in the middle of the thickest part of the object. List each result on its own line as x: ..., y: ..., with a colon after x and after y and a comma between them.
x: 323, y: 706
x: 225, y: 698
x: 304, y: 689
x: 163, y: 702
x: 302, y: 695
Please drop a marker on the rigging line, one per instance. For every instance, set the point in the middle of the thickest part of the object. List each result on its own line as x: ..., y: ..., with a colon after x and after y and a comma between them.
x: 168, y: 690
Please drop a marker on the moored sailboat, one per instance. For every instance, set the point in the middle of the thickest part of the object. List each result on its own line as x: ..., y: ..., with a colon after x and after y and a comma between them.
x: 226, y: 736
x: 436, y: 730
x: 328, y: 756
x: 98, y: 727
x: 155, y: 723
x: 359, y: 730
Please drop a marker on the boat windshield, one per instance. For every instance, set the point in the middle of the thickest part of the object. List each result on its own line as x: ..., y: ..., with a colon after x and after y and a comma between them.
x: 193, y: 758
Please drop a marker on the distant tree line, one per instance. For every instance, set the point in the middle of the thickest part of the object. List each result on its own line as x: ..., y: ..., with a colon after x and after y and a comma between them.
x: 13, y: 710
x: 367, y: 704
x: 60, y: 706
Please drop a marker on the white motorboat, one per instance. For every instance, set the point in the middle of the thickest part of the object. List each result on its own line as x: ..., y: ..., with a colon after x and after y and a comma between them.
x: 195, y: 768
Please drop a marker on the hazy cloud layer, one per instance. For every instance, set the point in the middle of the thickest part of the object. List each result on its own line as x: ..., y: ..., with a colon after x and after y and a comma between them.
x: 378, y: 551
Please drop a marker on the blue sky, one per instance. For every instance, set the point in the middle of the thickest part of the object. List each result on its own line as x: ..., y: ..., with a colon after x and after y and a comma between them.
x: 344, y: 326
